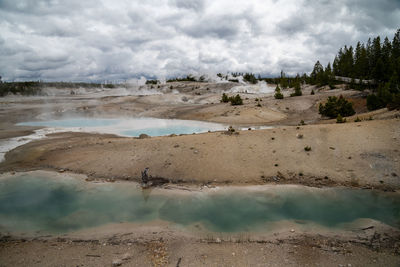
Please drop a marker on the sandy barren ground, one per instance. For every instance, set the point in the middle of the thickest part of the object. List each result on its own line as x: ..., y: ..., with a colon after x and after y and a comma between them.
x: 364, y: 154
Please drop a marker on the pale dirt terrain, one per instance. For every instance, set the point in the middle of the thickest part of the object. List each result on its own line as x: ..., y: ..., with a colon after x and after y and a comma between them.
x: 364, y: 154
x: 339, y: 156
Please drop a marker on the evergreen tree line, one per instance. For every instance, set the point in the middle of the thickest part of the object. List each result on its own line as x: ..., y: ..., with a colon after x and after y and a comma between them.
x: 375, y: 64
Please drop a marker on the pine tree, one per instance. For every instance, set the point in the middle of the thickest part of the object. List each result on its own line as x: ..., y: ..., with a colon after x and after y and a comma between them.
x: 278, y: 94
x: 317, y: 74
x: 297, y: 90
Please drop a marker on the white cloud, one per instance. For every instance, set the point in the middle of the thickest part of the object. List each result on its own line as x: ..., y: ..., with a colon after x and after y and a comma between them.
x: 117, y: 40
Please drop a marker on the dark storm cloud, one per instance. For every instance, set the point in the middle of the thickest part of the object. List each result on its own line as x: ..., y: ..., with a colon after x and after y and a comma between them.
x: 117, y: 40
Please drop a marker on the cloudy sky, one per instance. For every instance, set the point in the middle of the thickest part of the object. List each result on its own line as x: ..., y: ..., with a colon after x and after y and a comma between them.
x: 97, y: 40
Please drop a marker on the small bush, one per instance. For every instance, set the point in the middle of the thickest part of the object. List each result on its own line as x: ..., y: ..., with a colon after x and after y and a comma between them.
x: 335, y: 106
x: 235, y: 101
x: 225, y: 98
x: 297, y: 90
x: 340, y: 119
x: 307, y: 148
x: 278, y: 94
x: 312, y: 92
x: 302, y: 122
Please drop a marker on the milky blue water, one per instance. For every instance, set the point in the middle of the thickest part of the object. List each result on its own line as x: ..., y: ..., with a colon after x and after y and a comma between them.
x: 129, y: 126
x: 32, y: 202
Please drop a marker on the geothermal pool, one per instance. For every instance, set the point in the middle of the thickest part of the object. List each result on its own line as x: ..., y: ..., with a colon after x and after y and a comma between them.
x: 53, y: 203
x: 129, y: 126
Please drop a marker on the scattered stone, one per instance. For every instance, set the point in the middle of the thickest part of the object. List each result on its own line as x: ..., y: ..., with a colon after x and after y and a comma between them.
x: 196, y: 152
x: 218, y: 240
x: 61, y: 170
x: 331, y: 147
x: 299, y: 136
x: 126, y: 256
x: 176, y: 145
x: 394, y: 174
x: 233, y: 254
x: 143, y: 136
x: 292, y: 230
x: 116, y: 262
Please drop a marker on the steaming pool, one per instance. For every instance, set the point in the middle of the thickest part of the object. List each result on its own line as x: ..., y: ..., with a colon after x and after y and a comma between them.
x: 129, y: 126
x: 43, y: 202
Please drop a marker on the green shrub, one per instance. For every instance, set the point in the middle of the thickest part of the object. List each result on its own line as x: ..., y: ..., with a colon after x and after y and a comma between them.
x: 340, y: 119
x: 335, y: 106
x: 278, y: 94
x: 297, y: 90
x: 236, y: 100
x: 225, y: 98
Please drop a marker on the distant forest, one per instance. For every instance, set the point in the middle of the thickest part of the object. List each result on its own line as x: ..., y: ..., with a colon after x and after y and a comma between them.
x: 375, y: 65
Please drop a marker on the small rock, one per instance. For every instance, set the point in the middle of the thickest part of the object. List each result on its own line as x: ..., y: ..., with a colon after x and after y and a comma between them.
x: 61, y: 170
x: 116, y: 263
x: 299, y: 136
x: 218, y: 240
x: 176, y: 145
x: 196, y: 152
x: 292, y: 230
x: 233, y: 254
x: 126, y: 256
